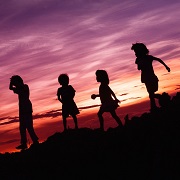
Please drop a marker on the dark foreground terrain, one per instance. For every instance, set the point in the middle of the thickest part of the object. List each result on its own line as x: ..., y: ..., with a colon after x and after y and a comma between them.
x: 146, y: 147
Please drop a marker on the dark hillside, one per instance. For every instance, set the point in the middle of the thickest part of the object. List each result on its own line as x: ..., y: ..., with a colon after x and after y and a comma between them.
x: 146, y: 147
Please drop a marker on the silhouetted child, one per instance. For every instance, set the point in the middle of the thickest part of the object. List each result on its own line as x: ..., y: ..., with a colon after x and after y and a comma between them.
x: 144, y: 63
x: 66, y: 95
x: 109, y: 102
x: 25, y: 111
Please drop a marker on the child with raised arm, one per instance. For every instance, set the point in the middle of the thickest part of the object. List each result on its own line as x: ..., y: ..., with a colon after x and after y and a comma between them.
x: 109, y: 101
x: 148, y: 77
x: 66, y: 95
x: 25, y: 111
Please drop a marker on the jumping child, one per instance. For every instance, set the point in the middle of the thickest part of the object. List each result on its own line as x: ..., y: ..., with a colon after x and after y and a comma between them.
x: 148, y: 77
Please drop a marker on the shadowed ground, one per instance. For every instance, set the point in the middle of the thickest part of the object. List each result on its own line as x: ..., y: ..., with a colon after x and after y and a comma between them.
x: 146, y: 147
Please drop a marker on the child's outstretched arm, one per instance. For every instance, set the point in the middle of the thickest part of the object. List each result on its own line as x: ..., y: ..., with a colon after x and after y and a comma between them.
x: 94, y: 96
x: 163, y: 63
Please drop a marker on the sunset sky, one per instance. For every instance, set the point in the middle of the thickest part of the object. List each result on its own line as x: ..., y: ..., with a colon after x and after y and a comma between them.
x: 40, y: 39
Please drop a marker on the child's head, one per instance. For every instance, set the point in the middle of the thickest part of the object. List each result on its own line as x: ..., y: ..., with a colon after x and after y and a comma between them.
x: 16, y: 79
x: 102, y: 76
x: 63, y: 79
x: 140, y: 49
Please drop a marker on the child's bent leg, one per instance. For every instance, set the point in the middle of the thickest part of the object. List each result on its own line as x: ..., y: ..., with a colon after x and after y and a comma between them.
x: 152, y: 101
x: 152, y: 87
